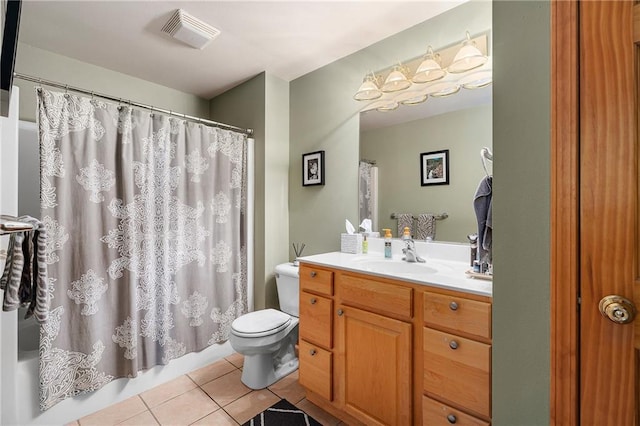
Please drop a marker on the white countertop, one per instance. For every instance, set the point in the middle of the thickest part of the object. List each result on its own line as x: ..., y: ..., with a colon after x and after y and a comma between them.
x: 448, y: 274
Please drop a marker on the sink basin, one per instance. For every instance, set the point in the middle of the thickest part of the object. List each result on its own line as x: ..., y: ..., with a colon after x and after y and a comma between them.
x: 393, y: 267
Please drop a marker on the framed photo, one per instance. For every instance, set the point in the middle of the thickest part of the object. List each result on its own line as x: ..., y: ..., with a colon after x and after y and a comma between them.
x: 313, y: 168
x: 434, y: 168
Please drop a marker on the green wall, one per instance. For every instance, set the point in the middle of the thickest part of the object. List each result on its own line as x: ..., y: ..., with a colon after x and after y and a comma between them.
x: 396, y: 150
x: 521, y: 142
x: 325, y: 117
x: 51, y: 66
x: 262, y: 104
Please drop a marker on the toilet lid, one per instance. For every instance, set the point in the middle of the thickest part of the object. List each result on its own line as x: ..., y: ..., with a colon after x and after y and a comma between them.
x: 260, y: 323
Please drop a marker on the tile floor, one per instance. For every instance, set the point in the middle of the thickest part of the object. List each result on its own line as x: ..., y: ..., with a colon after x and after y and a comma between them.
x: 212, y: 395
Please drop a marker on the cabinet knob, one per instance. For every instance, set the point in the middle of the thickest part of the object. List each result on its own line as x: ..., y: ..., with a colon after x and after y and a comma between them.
x: 453, y: 345
x: 340, y: 312
x: 312, y: 352
x: 313, y: 274
x: 313, y: 300
x: 451, y: 418
x: 453, y: 306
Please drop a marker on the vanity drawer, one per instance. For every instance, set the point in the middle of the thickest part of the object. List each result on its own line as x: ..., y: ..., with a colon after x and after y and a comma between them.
x: 315, y: 369
x: 435, y: 413
x: 458, y: 314
x: 316, y: 319
x: 458, y: 370
x: 378, y: 296
x: 316, y: 280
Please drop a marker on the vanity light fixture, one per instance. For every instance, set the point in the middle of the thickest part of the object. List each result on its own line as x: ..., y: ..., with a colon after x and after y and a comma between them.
x: 397, y: 80
x: 429, y: 69
x: 413, y: 81
x: 368, y: 90
x: 468, y: 57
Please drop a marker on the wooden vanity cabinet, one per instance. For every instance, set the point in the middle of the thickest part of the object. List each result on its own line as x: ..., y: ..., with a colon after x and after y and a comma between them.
x: 457, y: 355
x: 374, y: 343
x: 316, y: 331
x: 378, y: 351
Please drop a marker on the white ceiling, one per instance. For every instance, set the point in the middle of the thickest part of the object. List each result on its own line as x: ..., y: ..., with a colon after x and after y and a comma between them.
x: 286, y: 38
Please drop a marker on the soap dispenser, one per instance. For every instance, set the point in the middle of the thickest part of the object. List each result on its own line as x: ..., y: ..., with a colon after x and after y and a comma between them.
x: 387, y: 243
x: 406, y: 234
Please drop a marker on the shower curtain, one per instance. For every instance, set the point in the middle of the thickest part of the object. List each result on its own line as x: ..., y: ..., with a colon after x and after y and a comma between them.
x: 146, y: 221
x: 368, y: 193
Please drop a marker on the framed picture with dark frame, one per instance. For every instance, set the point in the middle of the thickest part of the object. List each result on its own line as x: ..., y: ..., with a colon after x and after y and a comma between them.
x: 434, y: 168
x: 313, y: 168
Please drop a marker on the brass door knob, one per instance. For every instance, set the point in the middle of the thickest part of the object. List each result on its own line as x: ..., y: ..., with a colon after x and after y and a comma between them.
x: 618, y: 309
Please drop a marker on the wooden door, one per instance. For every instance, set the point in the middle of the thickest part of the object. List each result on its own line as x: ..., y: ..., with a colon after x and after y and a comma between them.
x: 608, y: 209
x: 375, y: 356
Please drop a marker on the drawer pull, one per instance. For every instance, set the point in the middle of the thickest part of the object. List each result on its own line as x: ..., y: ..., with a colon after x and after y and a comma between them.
x: 313, y: 300
x: 340, y: 312
x: 313, y: 274
x: 451, y: 418
x: 453, y: 306
x: 453, y: 345
x: 312, y: 352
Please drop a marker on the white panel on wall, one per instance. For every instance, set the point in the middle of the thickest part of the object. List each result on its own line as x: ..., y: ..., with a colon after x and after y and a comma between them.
x: 28, y: 169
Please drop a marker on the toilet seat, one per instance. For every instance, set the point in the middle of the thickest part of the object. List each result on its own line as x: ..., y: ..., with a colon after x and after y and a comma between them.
x: 260, y: 323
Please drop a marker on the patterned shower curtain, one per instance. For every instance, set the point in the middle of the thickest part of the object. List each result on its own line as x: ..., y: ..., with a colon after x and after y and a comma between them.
x: 364, y: 190
x: 367, y: 192
x: 145, y: 216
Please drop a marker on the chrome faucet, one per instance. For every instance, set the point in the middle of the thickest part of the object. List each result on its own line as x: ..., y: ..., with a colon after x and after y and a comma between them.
x: 409, y: 252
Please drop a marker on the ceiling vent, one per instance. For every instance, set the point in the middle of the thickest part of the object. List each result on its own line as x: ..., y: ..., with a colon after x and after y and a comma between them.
x: 190, y: 30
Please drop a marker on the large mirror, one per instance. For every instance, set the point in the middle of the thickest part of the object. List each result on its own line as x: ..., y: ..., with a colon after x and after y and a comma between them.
x: 395, y: 140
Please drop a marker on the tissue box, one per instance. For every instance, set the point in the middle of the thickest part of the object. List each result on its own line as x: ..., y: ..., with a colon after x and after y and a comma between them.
x: 351, y: 243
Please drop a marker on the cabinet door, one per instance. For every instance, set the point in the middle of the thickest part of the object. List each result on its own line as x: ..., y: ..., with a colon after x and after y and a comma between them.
x: 458, y: 370
x: 315, y: 369
x: 375, y: 367
x: 316, y: 313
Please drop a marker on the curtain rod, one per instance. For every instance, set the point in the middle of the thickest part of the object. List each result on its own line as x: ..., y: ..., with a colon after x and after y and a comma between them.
x: 248, y: 132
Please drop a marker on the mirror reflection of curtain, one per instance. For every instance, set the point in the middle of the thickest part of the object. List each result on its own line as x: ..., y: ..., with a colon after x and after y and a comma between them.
x: 147, y: 240
x: 368, y: 193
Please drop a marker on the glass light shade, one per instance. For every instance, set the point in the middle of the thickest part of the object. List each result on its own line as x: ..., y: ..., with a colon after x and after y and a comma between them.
x: 443, y: 88
x: 368, y: 90
x: 477, y: 79
x: 396, y: 81
x: 429, y: 69
x: 412, y: 97
x: 467, y: 58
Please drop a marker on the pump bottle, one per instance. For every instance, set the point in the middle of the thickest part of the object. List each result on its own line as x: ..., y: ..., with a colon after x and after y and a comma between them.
x: 387, y: 243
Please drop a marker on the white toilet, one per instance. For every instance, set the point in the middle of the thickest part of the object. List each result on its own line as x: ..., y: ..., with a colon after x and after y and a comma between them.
x: 267, y: 337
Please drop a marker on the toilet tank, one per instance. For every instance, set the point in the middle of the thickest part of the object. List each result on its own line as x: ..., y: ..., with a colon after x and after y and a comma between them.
x: 288, y: 286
